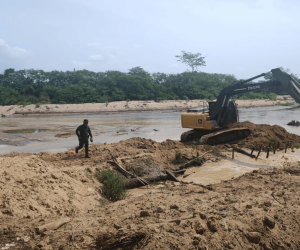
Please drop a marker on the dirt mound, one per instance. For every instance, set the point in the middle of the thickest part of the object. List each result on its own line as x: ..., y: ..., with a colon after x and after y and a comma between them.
x: 257, y: 210
x: 263, y: 134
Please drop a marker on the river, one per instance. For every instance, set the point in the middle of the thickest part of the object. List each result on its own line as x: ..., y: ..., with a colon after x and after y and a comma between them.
x: 37, y: 133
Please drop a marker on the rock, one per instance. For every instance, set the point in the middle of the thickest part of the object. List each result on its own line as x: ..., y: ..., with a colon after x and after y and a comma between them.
x: 253, y: 237
x: 117, y: 226
x: 177, y: 222
x: 202, y: 216
x: 182, y: 210
x: 144, y: 213
x: 54, y: 176
x: 248, y: 206
x: 270, y: 222
x: 267, y: 204
x: 212, y: 224
x: 26, y: 238
x: 200, y: 229
x: 197, y: 237
x: 294, y: 123
x: 160, y: 209
x: 174, y: 206
x: 195, y: 242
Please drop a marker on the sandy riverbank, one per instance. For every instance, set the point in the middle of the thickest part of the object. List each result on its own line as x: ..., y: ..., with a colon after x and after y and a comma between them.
x: 122, y: 106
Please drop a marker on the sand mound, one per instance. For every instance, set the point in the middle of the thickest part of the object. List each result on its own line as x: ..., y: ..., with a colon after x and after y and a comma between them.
x: 257, y: 210
x: 263, y: 134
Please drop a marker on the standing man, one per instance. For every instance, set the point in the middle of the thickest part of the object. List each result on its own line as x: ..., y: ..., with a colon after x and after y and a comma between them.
x: 83, y: 132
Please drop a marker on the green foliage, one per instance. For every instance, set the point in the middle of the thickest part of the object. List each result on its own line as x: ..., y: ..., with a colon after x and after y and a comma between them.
x: 286, y: 104
x: 295, y: 145
x: 241, y: 143
x: 272, y: 143
x: 193, y: 60
x: 31, y: 86
x: 114, y: 185
x: 2, y: 115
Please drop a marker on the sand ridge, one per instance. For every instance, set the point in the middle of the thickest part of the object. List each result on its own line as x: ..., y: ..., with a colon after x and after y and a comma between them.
x: 123, y: 106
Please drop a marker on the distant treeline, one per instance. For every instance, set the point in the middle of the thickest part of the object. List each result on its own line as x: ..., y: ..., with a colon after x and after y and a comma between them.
x: 82, y: 86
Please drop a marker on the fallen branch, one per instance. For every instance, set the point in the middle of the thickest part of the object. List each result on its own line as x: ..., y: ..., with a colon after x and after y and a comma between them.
x: 126, y: 173
x: 172, y: 176
x: 134, y: 182
x: 182, y: 171
x: 186, y: 175
x: 53, y: 225
x: 243, y: 152
x: 186, y: 164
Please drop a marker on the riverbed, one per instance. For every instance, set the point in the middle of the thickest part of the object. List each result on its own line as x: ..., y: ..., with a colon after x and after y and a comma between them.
x: 57, y: 133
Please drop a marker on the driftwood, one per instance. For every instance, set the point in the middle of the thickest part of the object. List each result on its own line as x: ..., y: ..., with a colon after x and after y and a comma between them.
x: 186, y: 164
x: 209, y: 187
x: 243, y: 152
x: 53, y: 225
x: 171, y: 176
x: 186, y: 175
x: 182, y: 171
x: 134, y: 182
x: 126, y: 173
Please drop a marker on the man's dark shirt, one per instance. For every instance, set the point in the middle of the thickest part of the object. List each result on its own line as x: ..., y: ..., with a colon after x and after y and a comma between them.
x: 84, y: 132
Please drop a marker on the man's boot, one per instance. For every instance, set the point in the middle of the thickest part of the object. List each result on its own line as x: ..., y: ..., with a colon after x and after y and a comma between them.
x: 87, y: 156
x: 76, y: 150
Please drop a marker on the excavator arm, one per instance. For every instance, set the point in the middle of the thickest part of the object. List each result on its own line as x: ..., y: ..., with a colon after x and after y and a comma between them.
x: 219, y: 110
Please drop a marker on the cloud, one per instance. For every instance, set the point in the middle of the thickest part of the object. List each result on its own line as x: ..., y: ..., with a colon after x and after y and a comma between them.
x: 81, y: 64
x: 96, y: 57
x: 12, y: 52
x: 92, y: 44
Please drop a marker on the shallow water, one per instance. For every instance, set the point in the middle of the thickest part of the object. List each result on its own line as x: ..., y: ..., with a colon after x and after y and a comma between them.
x: 113, y: 127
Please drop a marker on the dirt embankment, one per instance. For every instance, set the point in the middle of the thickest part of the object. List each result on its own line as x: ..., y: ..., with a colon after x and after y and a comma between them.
x: 123, y: 106
x: 265, y: 135
x: 258, y: 210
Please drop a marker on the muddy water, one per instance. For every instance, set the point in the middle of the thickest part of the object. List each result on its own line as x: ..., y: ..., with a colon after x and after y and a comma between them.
x: 114, y: 127
x: 225, y: 169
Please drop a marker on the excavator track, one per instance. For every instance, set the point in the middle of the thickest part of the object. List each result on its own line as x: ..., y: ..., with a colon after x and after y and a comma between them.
x: 225, y: 136
x: 192, y: 135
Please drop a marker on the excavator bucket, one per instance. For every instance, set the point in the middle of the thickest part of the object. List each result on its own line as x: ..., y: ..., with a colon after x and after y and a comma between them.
x: 292, y: 87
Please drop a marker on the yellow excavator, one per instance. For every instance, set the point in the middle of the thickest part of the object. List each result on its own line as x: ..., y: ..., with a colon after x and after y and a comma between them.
x: 209, y: 125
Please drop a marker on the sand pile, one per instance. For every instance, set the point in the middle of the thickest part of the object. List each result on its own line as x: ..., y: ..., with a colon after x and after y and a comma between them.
x: 259, y: 210
x: 263, y: 134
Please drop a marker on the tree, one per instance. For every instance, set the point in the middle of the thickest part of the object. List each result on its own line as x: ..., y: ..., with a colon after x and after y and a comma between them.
x: 193, y: 60
x: 139, y: 71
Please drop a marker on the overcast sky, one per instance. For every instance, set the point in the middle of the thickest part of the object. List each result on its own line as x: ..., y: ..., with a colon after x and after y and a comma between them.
x: 239, y: 37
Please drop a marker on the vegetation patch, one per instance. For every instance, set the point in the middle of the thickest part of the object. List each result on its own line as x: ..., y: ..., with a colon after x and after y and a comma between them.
x: 286, y: 104
x: 114, y: 185
x: 143, y: 167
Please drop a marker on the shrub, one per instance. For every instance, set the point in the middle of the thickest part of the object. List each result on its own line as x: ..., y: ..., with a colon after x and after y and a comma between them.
x: 114, y: 185
x: 178, y: 157
x: 295, y: 145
